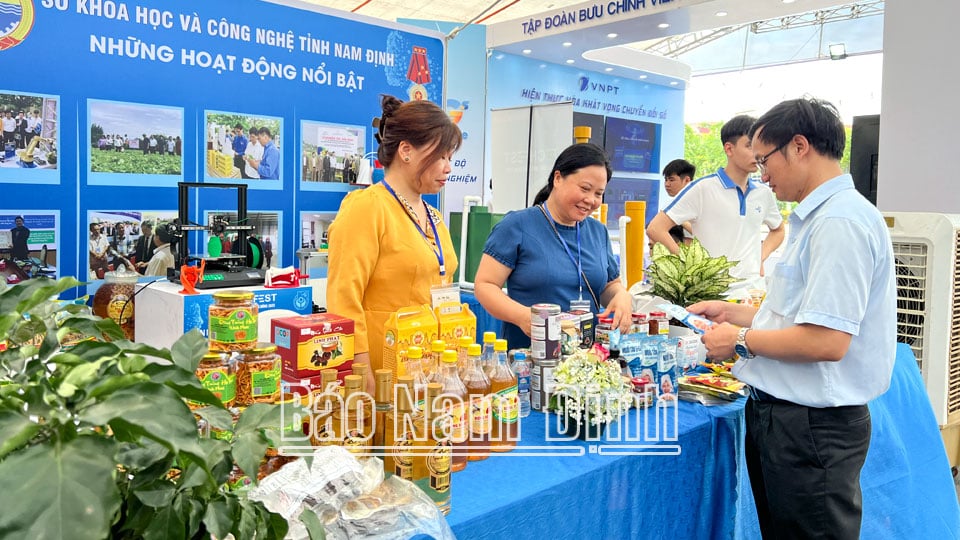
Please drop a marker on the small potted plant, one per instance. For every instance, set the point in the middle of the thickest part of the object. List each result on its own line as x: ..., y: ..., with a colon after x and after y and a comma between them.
x: 590, y: 393
x: 689, y: 276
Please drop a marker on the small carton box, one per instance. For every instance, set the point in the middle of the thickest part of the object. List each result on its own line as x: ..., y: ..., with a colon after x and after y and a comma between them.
x: 308, y: 344
x: 409, y: 326
x: 455, y: 321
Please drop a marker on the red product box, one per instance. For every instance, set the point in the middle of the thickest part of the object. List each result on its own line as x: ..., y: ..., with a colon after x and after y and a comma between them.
x: 308, y: 344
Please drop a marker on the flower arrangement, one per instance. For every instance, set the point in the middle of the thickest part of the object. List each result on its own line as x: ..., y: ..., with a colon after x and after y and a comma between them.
x: 590, y: 390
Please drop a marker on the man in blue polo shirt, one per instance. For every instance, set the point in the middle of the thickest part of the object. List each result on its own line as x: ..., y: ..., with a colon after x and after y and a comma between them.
x: 727, y: 211
x: 823, y: 342
x: 239, y: 149
x: 268, y: 166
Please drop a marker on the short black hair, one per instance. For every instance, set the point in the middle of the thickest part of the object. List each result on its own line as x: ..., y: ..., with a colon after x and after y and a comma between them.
x: 254, y: 131
x: 238, y: 126
x: 165, y: 233
x: 265, y: 131
x: 815, y: 119
x: 681, y: 168
x: 736, y: 127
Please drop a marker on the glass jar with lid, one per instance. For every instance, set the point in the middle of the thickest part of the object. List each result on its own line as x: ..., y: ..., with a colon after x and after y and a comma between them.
x: 233, y: 321
x: 258, y: 375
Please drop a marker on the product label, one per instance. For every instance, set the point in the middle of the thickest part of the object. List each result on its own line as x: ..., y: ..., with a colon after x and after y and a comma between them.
x: 265, y: 383
x: 402, y: 458
x: 117, y: 304
x: 480, y: 415
x: 221, y: 384
x: 506, y: 405
x: 235, y: 326
x: 457, y: 427
x: 438, y: 463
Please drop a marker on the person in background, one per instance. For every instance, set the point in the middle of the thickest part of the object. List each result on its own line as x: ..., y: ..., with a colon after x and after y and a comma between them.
x: 19, y: 235
x: 254, y: 152
x: 727, y: 211
x: 267, y: 251
x: 268, y: 166
x: 239, y: 149
x: 677, y: 175
x: 388, y: 247
x: 823, y: 342
x: 552, y: 253
x: 145, y: 246
x: 99, y: 246
x: 162, y: 256
x: 9, y: 128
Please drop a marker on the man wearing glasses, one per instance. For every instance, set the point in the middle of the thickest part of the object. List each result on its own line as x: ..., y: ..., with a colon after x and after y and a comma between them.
x: 727, y: 211
x: 823, y: 343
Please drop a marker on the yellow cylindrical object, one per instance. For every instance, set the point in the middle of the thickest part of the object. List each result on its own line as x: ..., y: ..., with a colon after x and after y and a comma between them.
x: 636, y: 237
x: 600, y: 214
x: 581, y: 134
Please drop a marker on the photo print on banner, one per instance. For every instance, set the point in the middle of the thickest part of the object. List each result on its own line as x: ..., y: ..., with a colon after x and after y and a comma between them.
x: 133, y: 144
x: 243, y: 148
x: 331, y: 155
x: 29, y: 248
x: 29, y: 138
x: 313, y: 236
x: 116, y: 237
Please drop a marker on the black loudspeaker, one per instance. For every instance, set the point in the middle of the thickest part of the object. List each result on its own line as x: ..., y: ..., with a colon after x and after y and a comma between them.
x: 864, y: 151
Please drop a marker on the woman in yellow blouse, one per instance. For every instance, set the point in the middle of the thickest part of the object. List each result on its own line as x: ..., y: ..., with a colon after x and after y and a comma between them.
x: 387, y: 246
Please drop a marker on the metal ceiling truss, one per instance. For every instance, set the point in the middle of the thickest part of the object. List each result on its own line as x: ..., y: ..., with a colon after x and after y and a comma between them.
x: 674, y: 46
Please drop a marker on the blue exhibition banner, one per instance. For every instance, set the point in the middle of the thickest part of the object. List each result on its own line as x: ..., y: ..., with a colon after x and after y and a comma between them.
x: 120, y: 100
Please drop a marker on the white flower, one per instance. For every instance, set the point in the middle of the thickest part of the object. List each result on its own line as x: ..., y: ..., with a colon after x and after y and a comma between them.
x: 589, y: 386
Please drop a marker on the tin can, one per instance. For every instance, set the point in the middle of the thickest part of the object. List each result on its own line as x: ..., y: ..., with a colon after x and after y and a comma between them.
x: 545, y: 331
x: 542, y: 383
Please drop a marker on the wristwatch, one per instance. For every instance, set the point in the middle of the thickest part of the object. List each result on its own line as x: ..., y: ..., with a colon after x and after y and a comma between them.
x: 741, y: 347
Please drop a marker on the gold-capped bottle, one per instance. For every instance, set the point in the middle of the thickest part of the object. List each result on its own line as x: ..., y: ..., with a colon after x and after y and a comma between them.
x: 478, y: 416
x: 384, y: 405
x: 432, y: 472
x: 352, y: 422
x: 322, y: 432
x: 400, y: 432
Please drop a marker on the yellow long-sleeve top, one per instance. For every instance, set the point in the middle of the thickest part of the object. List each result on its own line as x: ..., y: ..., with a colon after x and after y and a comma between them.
x: 379, y: 262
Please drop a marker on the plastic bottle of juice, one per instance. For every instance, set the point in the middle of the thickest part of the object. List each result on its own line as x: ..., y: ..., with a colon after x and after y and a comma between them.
x: 454, y: 399
x: 415, y: 369
x: 462, y: 344
x: 478, y: 388
x: 431, y: 362
x: 504, y: 406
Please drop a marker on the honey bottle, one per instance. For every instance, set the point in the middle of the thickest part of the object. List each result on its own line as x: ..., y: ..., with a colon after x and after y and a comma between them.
x: 505, y: 406
x: 478, y: 414
x: 384, y: 406
x: 431, y: 364
x: 414, y: 367
x: 322, y: 432
x: 453, y: 402
x: 352, y: 422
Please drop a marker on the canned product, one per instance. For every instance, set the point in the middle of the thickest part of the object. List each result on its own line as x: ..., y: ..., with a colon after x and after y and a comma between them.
x: 545, y: 331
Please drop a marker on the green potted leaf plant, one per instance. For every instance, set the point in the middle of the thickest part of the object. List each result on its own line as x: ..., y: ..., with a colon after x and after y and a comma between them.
x: 97, y: 440
x: 689, y: 276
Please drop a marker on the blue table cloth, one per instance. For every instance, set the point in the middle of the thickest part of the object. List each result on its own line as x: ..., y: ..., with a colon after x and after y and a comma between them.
x: 699, y: 487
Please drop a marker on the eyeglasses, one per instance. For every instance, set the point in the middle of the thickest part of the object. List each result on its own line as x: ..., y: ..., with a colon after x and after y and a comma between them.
x: 762, y: 162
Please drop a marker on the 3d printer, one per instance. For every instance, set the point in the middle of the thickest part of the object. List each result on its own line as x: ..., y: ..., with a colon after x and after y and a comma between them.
x: 241, y: 267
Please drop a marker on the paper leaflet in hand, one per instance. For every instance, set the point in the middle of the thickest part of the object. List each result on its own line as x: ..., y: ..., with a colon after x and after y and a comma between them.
x: 695, y: 322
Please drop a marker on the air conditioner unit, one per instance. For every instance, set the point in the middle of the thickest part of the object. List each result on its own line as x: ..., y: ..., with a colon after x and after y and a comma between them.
x: 926, y: 249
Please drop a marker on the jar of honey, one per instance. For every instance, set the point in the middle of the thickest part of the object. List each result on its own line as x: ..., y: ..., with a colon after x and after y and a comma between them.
x: 114, y: 300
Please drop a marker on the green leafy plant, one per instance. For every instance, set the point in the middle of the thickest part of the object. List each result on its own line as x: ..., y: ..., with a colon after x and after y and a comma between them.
x: 691, y: 275
x: 97, y: 440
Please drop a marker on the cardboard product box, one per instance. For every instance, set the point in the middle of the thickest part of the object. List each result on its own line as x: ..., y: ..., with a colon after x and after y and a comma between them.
x: 455, y: 321
x: 311, y: 343
x: 409, y: 326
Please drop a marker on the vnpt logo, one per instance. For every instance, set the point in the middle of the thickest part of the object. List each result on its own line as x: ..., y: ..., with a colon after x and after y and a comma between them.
x: 585, y: 85
x: 16, y: 21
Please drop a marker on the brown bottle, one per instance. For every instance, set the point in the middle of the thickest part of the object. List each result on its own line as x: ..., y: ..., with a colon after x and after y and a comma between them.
x: 478, y: 414
x: 322, y: 432
x: 384, y: 406
x: 453, y: 402
x: 352, y: 423
x: 360, y: 369
x: 505, y: 407
x: 400, y: 432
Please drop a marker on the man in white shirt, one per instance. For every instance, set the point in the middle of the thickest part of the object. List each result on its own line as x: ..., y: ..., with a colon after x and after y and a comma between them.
x: 823, y: 342
x: 162, y: 256
x: 727, y: 211
x: 255, y: 151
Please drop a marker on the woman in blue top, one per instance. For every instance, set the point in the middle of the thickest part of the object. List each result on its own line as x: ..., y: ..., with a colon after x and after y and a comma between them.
x: 543, y: 253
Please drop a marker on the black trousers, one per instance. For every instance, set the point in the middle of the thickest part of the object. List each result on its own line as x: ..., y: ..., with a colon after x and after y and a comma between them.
x: 804, y: 465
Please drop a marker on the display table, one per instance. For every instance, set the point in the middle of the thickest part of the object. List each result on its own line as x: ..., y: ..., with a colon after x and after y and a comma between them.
x: 163, y: 314
x: 702, y: 492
